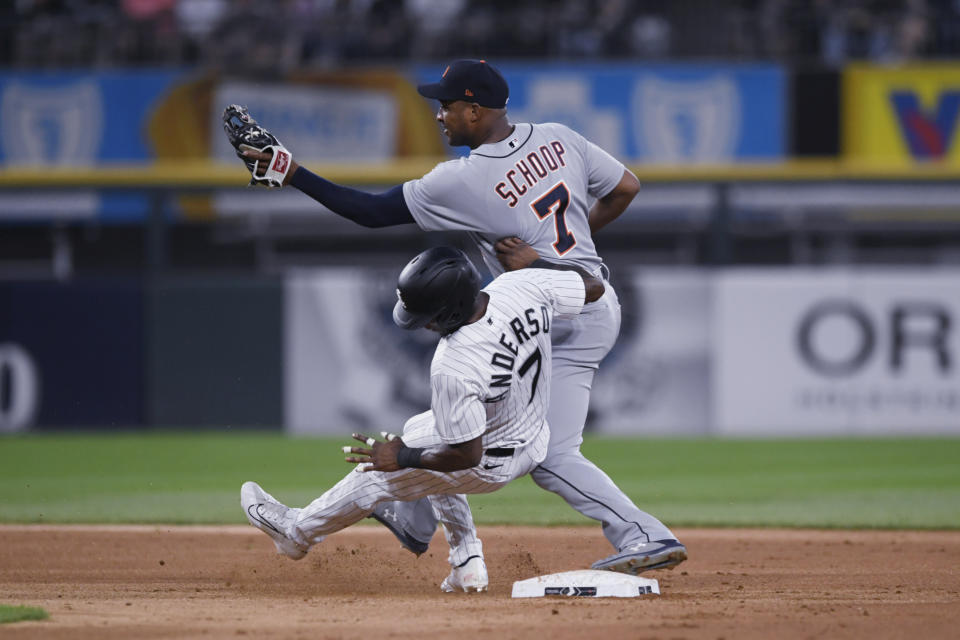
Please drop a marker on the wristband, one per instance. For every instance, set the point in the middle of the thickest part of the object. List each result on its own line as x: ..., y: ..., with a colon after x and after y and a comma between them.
x: 276, y: 169
x: 409, y: 457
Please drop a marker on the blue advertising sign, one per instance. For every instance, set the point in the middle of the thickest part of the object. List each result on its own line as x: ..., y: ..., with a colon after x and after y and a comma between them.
x: 665, y: 113
x: 78, y: 118
x: 71, y: 354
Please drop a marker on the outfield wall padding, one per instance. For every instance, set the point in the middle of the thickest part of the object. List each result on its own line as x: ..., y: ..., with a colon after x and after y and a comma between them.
x: 215, y: 350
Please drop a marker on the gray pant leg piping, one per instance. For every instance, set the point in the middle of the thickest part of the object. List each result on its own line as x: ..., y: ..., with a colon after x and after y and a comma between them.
x: 592, y: 499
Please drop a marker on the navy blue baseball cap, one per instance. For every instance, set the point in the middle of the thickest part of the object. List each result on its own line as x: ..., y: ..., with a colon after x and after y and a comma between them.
x: 472, y: 81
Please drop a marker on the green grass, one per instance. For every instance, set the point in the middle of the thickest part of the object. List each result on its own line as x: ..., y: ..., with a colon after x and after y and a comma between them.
x: 195, y: 478
x: 10, y: 613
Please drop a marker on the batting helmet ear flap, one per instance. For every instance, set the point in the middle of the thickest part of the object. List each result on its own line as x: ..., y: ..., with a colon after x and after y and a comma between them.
x: 440, y: 286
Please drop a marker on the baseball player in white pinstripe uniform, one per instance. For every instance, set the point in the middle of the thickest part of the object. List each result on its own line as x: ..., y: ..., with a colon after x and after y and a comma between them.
x: 552, y: 188
x: 490, y: 380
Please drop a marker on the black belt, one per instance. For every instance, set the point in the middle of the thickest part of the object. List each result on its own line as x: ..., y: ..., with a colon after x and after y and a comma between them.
x: 500, y: 452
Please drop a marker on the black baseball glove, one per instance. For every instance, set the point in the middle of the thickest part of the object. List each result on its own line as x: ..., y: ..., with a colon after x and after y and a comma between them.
x: 244, y: 134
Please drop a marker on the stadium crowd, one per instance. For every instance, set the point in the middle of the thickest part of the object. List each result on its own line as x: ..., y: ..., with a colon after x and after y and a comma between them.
x: 285, y: 34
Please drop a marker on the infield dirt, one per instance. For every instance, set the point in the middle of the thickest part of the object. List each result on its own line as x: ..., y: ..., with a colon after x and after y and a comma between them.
x: 227, y: 582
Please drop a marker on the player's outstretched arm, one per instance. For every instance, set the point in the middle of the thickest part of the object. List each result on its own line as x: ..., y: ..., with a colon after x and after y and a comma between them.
x: 393, y: 455
x: 257, y: 147
x: 609, y: 207
x: 366, y: 209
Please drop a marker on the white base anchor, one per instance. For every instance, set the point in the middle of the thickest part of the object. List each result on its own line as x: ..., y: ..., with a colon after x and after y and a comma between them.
x: 586, y: 582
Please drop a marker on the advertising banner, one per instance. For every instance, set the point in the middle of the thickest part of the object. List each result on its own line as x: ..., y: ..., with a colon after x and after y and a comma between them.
x: 349, y: 368
x: 110, y: 354
x: 115, y: 118
x: 656, y: 380
x: 321, y: 123
x: 78, y: 118
x: 902, y: 115
x: 666, y: 113
x: 71, y: 354
x: 805, y: 352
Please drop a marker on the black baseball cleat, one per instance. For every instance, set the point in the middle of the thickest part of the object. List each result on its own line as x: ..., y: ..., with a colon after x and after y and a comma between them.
x: 644, y: 556
x: 389, y: 518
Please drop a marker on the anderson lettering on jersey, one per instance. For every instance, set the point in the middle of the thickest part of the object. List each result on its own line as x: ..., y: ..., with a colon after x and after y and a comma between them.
x: 536, y: 322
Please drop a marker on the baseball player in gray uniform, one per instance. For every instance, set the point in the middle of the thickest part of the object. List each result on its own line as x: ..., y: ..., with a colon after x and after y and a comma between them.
x: 552, y: 188
x: 490, y: 381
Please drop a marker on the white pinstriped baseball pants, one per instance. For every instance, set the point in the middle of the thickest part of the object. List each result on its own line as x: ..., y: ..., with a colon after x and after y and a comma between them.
x: 355, y: 497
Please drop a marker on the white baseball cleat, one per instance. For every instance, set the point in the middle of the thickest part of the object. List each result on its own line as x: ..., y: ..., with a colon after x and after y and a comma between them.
x: 272, y: 517
x: 470, y: 576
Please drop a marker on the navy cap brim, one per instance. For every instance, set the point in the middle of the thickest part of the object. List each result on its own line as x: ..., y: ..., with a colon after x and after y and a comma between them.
x: 406, y: 320
x: 435, y: 91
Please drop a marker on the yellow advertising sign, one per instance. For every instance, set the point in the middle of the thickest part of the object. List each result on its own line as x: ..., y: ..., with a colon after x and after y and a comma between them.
x: 901, y: 115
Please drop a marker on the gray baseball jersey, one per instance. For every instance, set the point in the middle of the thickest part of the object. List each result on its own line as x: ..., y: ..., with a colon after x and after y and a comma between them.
x: 490, y: 378
x: 536, y: 184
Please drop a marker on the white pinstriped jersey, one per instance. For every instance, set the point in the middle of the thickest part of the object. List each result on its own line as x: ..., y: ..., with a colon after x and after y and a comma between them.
x: 491, y: 377
x: 537, y: 184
